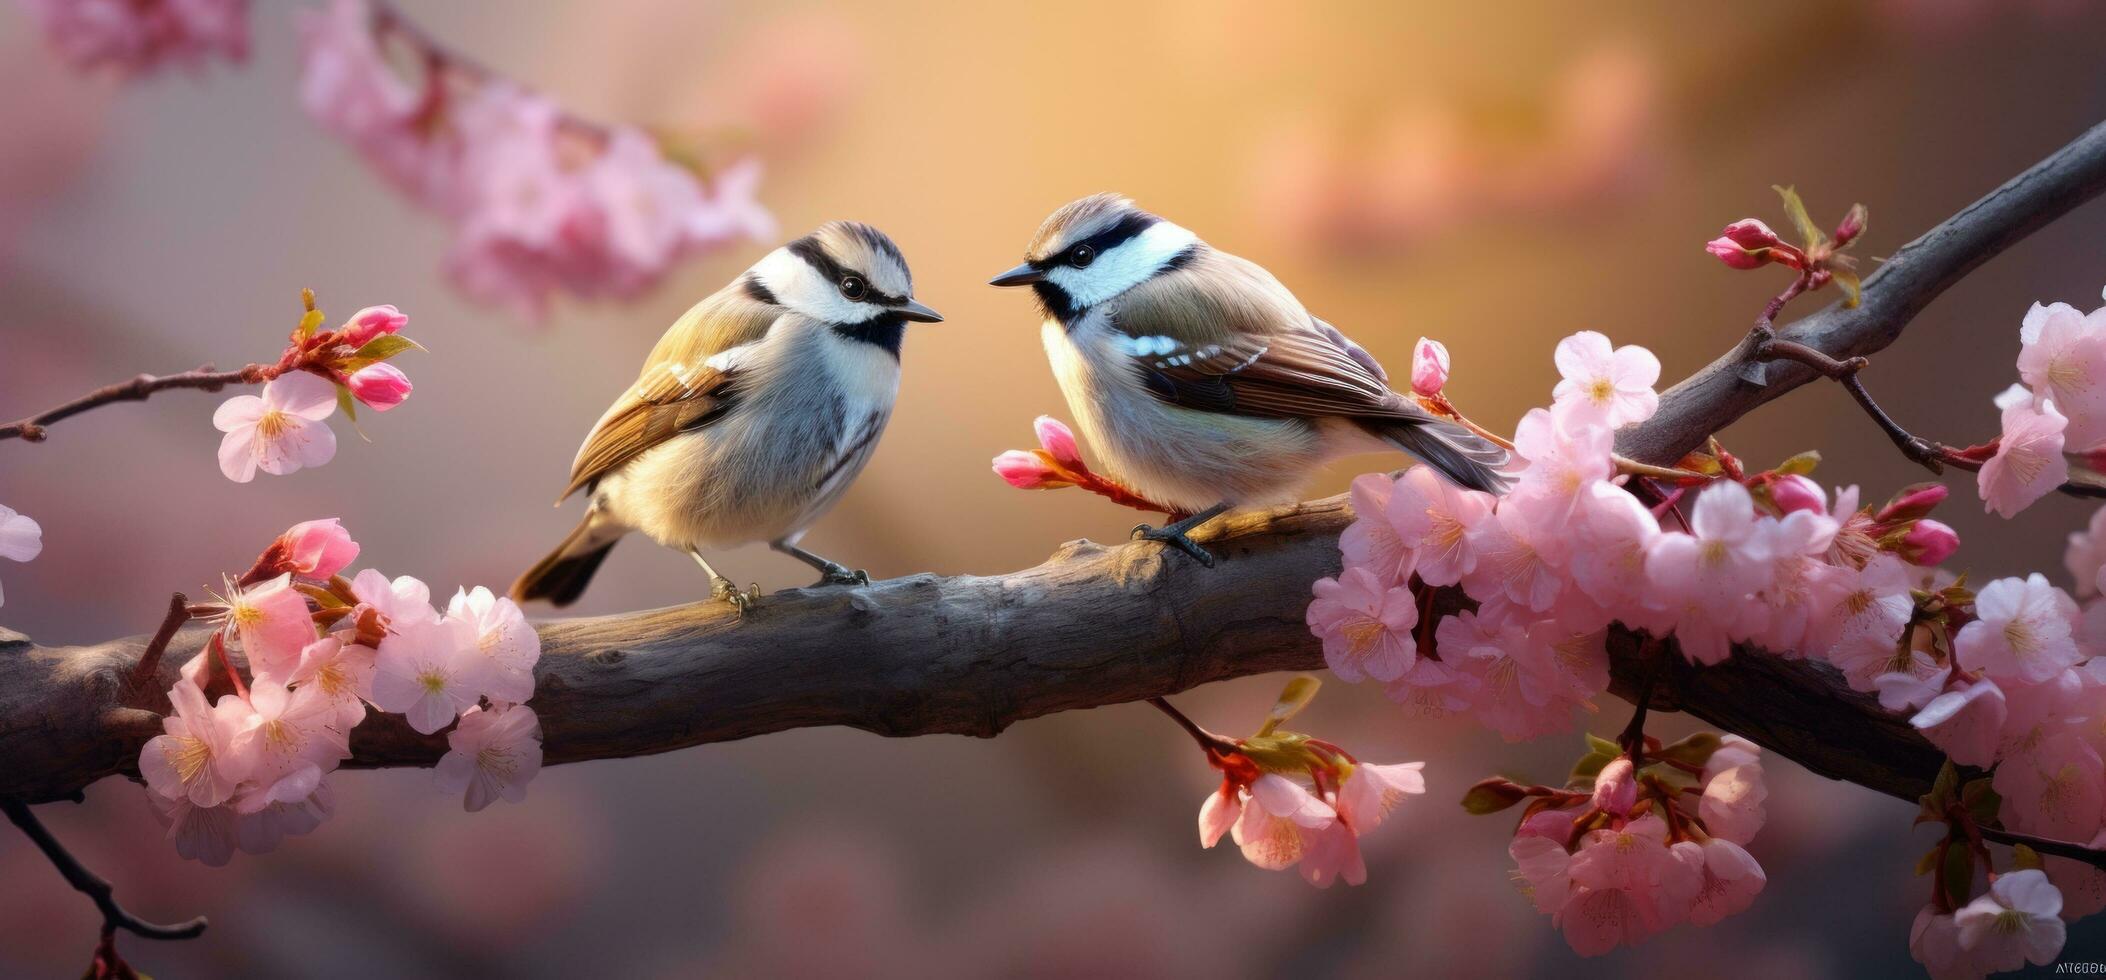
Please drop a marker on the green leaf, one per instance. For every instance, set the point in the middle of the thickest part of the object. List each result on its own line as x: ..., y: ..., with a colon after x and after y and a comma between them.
x: 1599, y: 752
x: 380, y: 349
x: 1801, y: 464
x: 1492, y: 795
x: 1981, y: 800
x: 1293, y: 698
x: 1694, y: 750
x: 309, y: 322
x: 1794, y: 208
x: 1959, y: 873
x: 2025, y: 858
x: 1853, y: 290
x: 1940, y: 797
x: 1927, y: 863
x: 346, y: 402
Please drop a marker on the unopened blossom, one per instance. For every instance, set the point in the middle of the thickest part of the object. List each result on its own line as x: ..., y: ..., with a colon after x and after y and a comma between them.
x: 501, y: 633
x: 278, y: 432
x: 2023, y: 631
x: 342, y: 673
x: 1429, y: 367
x: 371, y: 323
x: 1434, y: 517
x: 491, y: 755
x: 273, y: 624
x: 1731, y: 806
x: 1025, y: 471
x: 139, y: 37
x: 313, y: 549
x: 1966, y: 722
x: 1057, y: 440
x: 379, y: 386
x: 2062, y: 357
x: 195, y: 758
x: 1928, y: 543
x: 2018, y: 921
x: 1370, y: 791
x: 1366, y: 626
x: 1718, y: 565
x: 425, y: 672
x: 1612, y: 387
x: 1616, y: 787
x: 1794, y: 492
x: 1371, y: 541
x: 2028, y: 464
x: 2055, y: 790
x: 21, y: 537
x: 1750, y: 244
x: 1729, y: 878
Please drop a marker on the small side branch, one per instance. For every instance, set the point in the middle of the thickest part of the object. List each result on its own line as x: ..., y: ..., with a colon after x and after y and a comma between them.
x: 2043, y: 845
x: 32, y: 428
x: 88, y: 883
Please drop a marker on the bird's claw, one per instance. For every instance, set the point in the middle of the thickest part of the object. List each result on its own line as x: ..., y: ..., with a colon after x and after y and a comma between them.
x: 835, y: 574
x: 1175, y: 539
x: 727, y: 590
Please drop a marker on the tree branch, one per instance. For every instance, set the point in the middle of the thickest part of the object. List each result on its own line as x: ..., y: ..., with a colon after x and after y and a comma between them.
x: 31, y: 429
x: 1094, y: 625
x: 92, y: 885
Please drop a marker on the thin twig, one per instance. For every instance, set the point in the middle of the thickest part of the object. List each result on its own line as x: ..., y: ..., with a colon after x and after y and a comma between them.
x: 2055, y: 848
x: 31, y: 429
x: 146, y: 674
x: 1633, y: 737
x: 1206, y: 739
x: 90, y: 884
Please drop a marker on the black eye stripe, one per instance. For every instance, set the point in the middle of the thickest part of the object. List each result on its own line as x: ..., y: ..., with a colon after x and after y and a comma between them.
x: 1125, y: 229
x: 814, y: 255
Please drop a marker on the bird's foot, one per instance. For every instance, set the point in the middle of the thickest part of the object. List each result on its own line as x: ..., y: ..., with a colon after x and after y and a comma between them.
x: 1175, y: 538
x: 837, y: 574
x: 727, y: 590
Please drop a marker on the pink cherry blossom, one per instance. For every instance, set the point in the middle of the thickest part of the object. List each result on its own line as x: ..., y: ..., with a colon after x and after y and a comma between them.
x: 1857, y: 615
x: 379, y: 386
x: 1731, y: 806
x: 293, y: 736
x: 1733, y: 751
x: 349, y: 86
x: 2057, y: 789
x: 272, y: 621
x: 1518, y: 683
x: 1730, y: 878
x: 279, y: 432
x: 2024, y: 631
x: 1966, y: 722
x: 195, y: 758
x: 1434, y: 518
x: 342, y: 673
x: 1717, y: 566
x: 2063, y: 358
x: 1333, y: 854
x: 2083, y: 886
x: 1542, y: 867
x: 2018, y: 921
x: 2085, y: 557
x: 426, y: 672
x: 204, y: 834
x: 491, y: 755
x: 402, y: 600
x: 1793, y: 492
x: 1615, y: 533
x: 1612, y: 387
x: 1616, y: 787
x: 1218, y: 812
x: 1792, y: 546
x: 316, y: 549
x: 1519, y: 551
x: 1934, y: 940
x: 262, y: 831
x: 1929, y: 542
x: 2028, y: 464
x: 139, y: 37
x: 505, y: 639
x: 21, y: 538
x: 1366, y: 626
x: 1278, y: 822
x: 1626, y: 888
x: 1369, y: 792
x: 1567, y: 455
x: 1371, y: 541
x: 1429, y: 367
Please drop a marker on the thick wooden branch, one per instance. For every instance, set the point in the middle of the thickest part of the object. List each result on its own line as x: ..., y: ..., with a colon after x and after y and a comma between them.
x: 1094, y: 625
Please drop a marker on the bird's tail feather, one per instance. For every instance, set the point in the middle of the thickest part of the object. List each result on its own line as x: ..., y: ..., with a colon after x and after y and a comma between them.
x: 1464, y: 457
x: 562, y: 576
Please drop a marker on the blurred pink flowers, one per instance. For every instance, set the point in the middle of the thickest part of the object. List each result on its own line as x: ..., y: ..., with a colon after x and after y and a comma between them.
x: 139, y: 37
x: 21, y: 538
x: 540, y: 200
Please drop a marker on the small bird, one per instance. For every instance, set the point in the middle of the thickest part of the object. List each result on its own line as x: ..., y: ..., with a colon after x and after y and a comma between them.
x: 752, y: 416
x: 1202, y: 381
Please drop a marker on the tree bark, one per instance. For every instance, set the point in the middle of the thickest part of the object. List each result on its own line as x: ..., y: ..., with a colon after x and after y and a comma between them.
x: 1093, y: 625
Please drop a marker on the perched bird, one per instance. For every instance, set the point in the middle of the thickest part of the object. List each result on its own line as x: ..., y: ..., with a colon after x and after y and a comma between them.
x: 1201, y: 380
x: 752, y: 416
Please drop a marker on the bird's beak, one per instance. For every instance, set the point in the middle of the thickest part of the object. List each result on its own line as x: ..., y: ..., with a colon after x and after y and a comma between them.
x: 919, y: 313
x: 1022, y: 275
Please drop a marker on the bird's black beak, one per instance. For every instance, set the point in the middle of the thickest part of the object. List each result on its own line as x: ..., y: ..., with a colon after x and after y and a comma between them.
x: 919, y: 313
x: 1023, y: 275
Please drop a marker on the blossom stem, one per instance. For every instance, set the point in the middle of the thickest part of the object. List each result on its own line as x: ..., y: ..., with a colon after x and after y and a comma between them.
x: 1633, y: 737
x: 32, y: 428
x: 1207, y: 740
x: 146, y: 674
x: 90, y: 884
x: 219, y: 646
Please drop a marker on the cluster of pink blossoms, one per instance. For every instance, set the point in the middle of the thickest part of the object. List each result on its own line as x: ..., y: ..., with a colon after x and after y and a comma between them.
x: 139, y: 37
x: 1646, y: 848
x: 539, y: 199
x: 282, y: 430
x: 246, y: 771
x: 2058, y: 414
x: 1288, y: 799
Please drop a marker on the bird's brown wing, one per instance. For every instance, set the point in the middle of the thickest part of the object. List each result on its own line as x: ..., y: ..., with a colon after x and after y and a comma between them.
x: 685, y: 385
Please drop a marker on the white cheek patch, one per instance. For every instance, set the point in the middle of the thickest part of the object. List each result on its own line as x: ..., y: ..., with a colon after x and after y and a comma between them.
x: 1124, y: 266
x: 800, y: 287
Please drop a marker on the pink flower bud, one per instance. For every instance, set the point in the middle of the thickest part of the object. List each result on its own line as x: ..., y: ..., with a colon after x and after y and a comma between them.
x: 1929, y: 543
x: 1057, y: 440
x: 1853, y: 225
x: 1794, y: 492
x: 1749, y: 244
x: 1022, y: 470
x: 1912, y: 502
x: 379, y: 386
x: 371, y: 322
x: 1429, y: 367
x: 1616, y: 787
x: 316, y: 549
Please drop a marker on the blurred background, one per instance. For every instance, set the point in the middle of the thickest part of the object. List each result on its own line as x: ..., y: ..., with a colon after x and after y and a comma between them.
x: 1493, y: 176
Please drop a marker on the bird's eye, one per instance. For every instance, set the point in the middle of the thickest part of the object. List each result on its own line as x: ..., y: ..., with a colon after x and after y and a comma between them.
x: 852, y: 287
x: 1082, y: 256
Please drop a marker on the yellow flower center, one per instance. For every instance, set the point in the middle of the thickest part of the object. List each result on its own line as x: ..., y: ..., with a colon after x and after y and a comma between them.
x: 273, y: 423
x: 434, y: 681
x: 189, y: 756
x: 1362, y: 635
x: 1601, y: 389
x: 1713, y: 552
x: 496, y: 762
